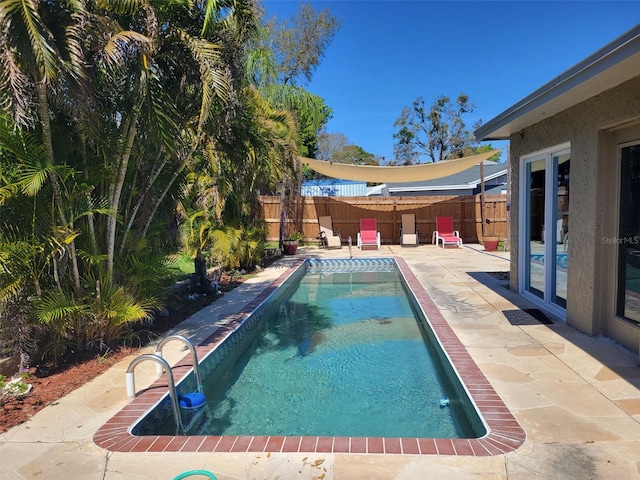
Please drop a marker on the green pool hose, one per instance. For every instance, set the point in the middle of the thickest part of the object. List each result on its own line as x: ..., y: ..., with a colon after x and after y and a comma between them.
x: 196, y: 472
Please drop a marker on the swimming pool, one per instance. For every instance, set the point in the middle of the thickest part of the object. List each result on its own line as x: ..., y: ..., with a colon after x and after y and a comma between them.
x: 343, y: 353
x: 503, y: 434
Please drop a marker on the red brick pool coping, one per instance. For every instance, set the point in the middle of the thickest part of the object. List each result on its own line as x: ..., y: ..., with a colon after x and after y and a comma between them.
x: 504, y: 433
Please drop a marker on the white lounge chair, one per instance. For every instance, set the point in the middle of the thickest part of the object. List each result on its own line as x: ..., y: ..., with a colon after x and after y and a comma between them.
x: 329, y: 239
x: 408, y: 232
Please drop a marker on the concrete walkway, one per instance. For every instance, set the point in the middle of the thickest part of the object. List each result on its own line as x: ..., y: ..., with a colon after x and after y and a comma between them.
x: 576, y: 397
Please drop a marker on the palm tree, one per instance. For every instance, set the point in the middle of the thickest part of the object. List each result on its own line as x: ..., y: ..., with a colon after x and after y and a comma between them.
x: 215, y: 60
x: 121, y: 96
x: 32, y: 67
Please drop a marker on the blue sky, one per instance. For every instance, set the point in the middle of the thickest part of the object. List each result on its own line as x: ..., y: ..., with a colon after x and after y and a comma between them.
x: 388, y: 53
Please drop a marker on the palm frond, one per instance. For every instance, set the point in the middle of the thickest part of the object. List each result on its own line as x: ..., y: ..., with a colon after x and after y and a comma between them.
x: 122, y: 7
x: 91, y: 258
x: 212, y: 74
x: 16, y: 89
x: 238, y: 17
x: 77, y: 33
x: 123, y: 47
x: 211, y: 15
x: 10, y: 287
x: 260, y: 68
x: 28, y: 32
x: 30, y: 169
x: 24, y: 146
x: 162, y: 116
x: 121, y: 308
x: 56, y: 307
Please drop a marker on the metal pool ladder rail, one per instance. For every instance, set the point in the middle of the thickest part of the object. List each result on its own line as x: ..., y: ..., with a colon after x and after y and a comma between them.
x: 194, y: 356
x: 194, y: 400
x: 131, y: 385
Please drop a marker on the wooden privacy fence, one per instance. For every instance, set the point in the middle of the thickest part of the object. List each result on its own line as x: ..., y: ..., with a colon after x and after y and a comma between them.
x: 346, y: 213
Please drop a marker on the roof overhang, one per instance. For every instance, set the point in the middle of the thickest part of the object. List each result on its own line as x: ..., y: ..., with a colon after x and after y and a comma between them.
x: 417, y: 187
x: 610, y: 66
x: 438, y: 188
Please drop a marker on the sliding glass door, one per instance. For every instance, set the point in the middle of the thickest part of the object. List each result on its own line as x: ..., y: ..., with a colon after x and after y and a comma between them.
x: 544, y: 234
x: 628, y: 291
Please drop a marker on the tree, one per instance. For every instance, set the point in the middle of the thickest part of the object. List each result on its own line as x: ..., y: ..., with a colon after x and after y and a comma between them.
x: 329, y: 144
x: 356, y: 155
x: 300, y: 42
x: 438, y: 132
x: 284, y: 59
x: 295, y: 48
x: 335, y: 147
x: 312, y: 117
x: 31, y: 67
x: 309, y: 111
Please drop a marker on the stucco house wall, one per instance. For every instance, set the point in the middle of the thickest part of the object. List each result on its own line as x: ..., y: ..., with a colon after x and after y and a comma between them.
x: 591, y: 128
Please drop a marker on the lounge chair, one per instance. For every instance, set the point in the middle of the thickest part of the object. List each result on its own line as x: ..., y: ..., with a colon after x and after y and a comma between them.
x: 329, y: 239
x: 408, y: 232
x: 445, y: 233
x: 368, y: 236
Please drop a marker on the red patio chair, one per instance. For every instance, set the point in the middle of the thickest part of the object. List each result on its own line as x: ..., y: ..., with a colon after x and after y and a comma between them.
x: 445, y: 233
x: 368, y: 236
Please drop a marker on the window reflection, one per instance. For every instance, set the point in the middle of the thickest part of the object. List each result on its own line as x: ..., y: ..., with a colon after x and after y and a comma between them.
x: 628, y: 301
x: 562, y: 165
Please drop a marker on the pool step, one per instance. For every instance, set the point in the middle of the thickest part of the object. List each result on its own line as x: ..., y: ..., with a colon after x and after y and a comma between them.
x: 198, y: 418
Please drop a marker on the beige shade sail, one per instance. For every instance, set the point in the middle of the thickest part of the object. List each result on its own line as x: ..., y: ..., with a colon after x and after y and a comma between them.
x: 410, y: 173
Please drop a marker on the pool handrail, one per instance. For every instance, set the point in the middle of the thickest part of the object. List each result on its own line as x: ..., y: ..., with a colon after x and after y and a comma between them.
x: 131, y: 385
x: 194, y: 357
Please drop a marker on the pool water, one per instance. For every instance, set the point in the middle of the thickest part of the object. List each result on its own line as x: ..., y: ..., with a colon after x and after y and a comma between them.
x: 562, y: 259
x: 343, y: 355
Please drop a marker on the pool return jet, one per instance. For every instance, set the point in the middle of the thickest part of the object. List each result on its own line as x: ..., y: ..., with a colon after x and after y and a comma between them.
x: 189, y: 401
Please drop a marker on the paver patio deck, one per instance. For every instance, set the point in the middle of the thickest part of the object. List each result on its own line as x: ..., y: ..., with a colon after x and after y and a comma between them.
x: 576, y: 397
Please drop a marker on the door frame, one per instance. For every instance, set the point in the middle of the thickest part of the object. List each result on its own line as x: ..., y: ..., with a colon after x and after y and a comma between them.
x: 548, y: 155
